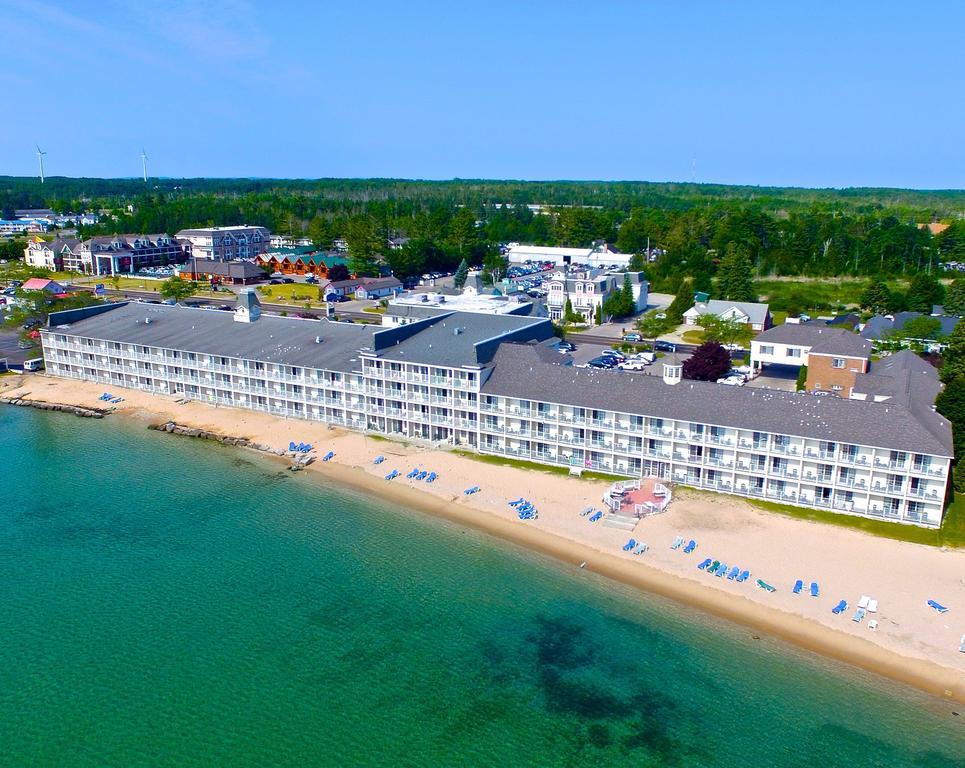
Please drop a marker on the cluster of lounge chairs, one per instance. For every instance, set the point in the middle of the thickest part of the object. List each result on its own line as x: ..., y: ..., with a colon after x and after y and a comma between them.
x: 300, y: 448
x: 421, y: 474
x: 107, y: 397
x: 721, y: 570
x: 636, y: 547
x: 799, y: 586
x: 471, y: 491
x: 524, y: 509
x: 679, y: 542
x: 592, y: 514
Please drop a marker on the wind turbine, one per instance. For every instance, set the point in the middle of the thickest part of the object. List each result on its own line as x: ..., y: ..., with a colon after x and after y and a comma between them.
x: 144, y: 159
x: 40, y: 157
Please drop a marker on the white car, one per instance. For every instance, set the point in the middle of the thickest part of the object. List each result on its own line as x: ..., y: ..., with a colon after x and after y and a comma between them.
x: 733, y: 347
x: 731, y: 381
x: 633, y: 365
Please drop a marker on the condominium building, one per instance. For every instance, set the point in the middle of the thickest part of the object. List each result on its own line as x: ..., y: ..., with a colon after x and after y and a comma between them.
x: 51, y: 255
x: 225, y: 243
x: 493, y: 383
x: 587, y: 288
x: 113, y: 254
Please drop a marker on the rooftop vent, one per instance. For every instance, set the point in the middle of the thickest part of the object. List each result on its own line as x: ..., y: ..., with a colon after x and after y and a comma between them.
x: 318, y: 339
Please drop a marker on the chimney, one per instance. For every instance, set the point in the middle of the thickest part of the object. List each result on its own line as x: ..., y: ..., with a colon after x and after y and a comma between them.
x: 248, y: 308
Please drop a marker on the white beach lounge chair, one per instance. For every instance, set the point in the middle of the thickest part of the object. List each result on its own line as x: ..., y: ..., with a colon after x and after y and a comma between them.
x: 873, y: 624
x: 872, y: 606
x: 863, y: 602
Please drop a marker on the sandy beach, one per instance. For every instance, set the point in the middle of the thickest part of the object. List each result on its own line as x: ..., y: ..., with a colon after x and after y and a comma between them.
x: 913, y: 643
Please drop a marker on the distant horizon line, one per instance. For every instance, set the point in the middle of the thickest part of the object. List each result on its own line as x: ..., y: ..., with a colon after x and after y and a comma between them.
x: 482, y: 180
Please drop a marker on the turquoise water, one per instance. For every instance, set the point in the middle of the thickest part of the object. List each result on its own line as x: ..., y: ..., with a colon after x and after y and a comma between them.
x: 167, y: 602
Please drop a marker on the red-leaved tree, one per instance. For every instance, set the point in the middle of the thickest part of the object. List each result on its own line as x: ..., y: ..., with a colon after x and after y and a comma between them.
x: 709, y: 362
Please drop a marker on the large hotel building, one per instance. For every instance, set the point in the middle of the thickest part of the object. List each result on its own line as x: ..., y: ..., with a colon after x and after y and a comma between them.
x: 496, y: 384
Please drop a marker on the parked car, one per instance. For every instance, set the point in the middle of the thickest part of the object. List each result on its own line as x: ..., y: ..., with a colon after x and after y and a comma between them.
x: 731, y: 381
x: 602, y: 362
x: 732, y: 347
x: 632, y: 337
x: 614, y: 353
x: 664, y: 346
x: 287, y: 280
x: 646, y: 357
x: 632, y: 365
x: 274, y: 282
x: 566, y: 346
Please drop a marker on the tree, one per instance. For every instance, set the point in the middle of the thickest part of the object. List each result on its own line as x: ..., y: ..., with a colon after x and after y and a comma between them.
x: 876, y: 297
x: 735, y: 279
x: 950, y: 403
x: 683, y: 301
x: 178, y: 289
x: 955, y: 299
x: 462, y: 272
x: 494, y: 266
x: 802, y: 378
x: 364, y: 245
x: 922, y: 328
x: 598, y: 315
x: 925, y: 292
x: 953, y: 365
x: 620, y: 304
x: 338, y: 272
x: 651, y: 326
x: 570, y: 315
x: 709, y: 362
x: 727, y: 330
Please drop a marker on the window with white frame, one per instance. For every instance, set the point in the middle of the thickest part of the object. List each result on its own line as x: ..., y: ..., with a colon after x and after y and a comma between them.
x: 837, y: 362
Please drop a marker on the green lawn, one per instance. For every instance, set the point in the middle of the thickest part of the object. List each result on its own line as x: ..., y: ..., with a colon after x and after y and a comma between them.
x: 693, y: 337
x: 824, y: 295
x: 533, y: 466
x: 951, y: 534
x: 289, y: 292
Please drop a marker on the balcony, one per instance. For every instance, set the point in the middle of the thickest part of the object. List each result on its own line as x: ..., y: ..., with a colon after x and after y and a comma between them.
x: 785, y: 448
x: 720, y: 439
x: 890, y: 464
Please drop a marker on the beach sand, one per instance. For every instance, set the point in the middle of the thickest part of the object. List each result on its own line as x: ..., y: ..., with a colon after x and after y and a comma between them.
x: 912, y: 643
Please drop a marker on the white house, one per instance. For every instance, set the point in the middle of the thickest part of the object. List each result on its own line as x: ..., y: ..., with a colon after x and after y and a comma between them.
x: 791, y: 343
x: 756, y: 316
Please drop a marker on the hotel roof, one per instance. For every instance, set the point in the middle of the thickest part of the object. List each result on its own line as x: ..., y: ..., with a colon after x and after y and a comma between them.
x: 521, y: 372
x: 270, y: 339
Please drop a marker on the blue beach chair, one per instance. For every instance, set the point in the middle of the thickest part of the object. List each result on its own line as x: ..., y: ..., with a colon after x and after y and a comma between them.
x: 392, y: 475
x: 691, y: 546
x: 518, y: 501
x: 702, y: 566
x: 422, y: 475
x: 629, y: 545
x: 640, y: 548
x: 413, y: 473
x: 328, y: 455
x: 733, y: 573
x: 292, y: 447
x: 379, y: 459
x: 432, y: 476
x: 721, y: 571
x: 798, y: 586
x: 815, y: 591
x: 840, y: 607
x: 596, y: 516
x: 858, y: 615
x: 937, y: 606
x: 744, y: 575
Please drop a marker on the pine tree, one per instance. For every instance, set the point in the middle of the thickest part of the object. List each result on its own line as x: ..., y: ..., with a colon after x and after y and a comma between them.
x: 876, y: 297
x: 735, y: 279
x: 955, y: 298
x: 459, y: 279
x: 598, y: 315
x: 683, y: 300
x: 925, y: 292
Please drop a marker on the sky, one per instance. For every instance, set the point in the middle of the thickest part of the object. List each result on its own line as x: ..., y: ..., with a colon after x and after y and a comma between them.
x: 818, y: 94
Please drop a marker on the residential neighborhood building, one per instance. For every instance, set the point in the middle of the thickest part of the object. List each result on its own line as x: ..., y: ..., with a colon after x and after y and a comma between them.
x: 43, y: 284
x: 834, y: 356
x: 221, y: 272
x: 51, y: 255
x: 225, y: 243
x: 115, y: 254
x: 601, y: 255
x: 20, y: 226
x: 755, y: 316
x: 880, y: 327
x: 587, y: 289
x: 303, y: 260
x: 377, y: 287
x: 287, y: 241
x: 495, y: 384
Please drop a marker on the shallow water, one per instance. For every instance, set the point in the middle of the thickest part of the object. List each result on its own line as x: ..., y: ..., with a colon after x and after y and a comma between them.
x: 169, y: 602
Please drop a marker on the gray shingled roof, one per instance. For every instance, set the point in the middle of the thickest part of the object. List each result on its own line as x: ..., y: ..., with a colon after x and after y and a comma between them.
x: 457, y: 338
x: 272, y: 339
x: 756, y: 313
x: 820, y: 338
x: 519, y: 372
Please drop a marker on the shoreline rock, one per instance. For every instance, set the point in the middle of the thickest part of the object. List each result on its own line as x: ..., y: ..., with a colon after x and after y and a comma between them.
x: 173, y: 428
x: 76, y: 410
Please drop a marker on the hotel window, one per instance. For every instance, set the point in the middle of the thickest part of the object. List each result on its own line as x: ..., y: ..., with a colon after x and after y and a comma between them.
x: 793, y: 352
x: 767, y: 349
x: 837, y: 362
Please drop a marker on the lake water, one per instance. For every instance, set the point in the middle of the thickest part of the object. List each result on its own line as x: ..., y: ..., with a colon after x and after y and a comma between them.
x: 169, y: 602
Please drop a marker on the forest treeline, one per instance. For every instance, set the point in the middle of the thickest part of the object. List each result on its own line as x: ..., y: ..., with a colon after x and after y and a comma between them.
x: 782, y: 231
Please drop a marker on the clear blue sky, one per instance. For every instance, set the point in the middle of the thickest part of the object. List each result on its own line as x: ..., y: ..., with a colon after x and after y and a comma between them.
x: 812, y: 94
